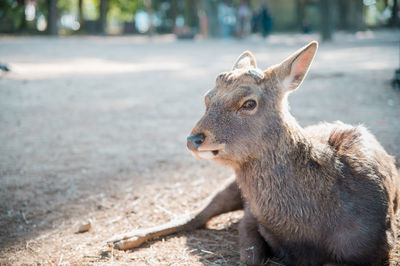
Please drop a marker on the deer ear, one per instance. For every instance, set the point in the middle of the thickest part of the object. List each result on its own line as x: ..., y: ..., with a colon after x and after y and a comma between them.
x: 245, y: 60
x: 292, y: 71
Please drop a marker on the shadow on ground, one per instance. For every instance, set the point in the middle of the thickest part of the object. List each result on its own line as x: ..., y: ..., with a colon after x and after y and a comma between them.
x: 95, y: 128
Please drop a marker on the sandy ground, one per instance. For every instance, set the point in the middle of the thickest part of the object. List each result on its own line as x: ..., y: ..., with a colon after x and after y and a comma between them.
x: 95, y: 128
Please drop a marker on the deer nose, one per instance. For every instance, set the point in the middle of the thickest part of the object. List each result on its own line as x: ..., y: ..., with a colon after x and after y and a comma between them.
x: 195, y: 141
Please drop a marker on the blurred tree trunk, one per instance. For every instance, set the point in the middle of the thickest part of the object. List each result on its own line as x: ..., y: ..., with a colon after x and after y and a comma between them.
x: 394, y: 20
x: 52, y: 27
x: 80, y: 14
x: 149, y: 9
x: 174, y: 13
x: 326, y: 19
x: 359, y: 15
x: 22, y: 22
x: 356, y: 15
x: 300, y: 13
x: 191, y: 18
x: 343, y: 14
x: 102, y: 22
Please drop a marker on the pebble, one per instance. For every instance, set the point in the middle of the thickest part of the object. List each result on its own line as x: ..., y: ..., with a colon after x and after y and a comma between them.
x: 84, y: 227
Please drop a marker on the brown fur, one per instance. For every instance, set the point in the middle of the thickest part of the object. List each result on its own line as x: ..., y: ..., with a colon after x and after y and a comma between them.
x: 319, y: 195
x: 325, y: 194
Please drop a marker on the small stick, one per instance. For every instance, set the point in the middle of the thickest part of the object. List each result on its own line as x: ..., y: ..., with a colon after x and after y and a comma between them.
x: 24, y: 218
x: 112, y: 254
x: 60, y: 261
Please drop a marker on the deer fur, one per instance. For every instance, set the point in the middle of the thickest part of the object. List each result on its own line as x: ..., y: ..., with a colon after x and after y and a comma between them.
x: 320, y: 195
x: 325, y: 194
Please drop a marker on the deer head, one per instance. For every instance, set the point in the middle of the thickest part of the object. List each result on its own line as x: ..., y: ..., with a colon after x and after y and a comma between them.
x: 246, y: 110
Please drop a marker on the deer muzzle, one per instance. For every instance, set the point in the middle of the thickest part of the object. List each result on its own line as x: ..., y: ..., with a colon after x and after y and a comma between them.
x: 200, y: 147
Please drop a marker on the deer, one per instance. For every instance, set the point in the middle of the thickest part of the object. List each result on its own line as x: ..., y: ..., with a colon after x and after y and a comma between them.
x: 326, y: 194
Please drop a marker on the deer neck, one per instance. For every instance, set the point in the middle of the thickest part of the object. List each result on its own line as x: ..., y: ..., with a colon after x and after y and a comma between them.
x: 288, y: 148
x: 284, y: 171
x: 281, y: 164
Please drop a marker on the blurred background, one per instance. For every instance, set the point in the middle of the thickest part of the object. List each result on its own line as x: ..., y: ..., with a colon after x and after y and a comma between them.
x: 190, y: 18
x: 97, y: 98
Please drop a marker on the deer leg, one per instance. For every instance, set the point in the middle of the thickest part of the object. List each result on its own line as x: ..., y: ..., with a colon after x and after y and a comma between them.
x: 253, y: 248
x: 226, y: 199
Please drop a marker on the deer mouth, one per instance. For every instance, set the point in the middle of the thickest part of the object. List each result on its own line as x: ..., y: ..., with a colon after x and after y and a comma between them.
x: 208, y: 153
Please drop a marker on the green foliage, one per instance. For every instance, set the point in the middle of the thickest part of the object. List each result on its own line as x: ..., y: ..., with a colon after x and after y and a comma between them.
x: 91, y: 9
x: 67, y: 6
x: 380, y: 5
x: 42, y: 7
x: 124, y: 10
x: 11, y: 15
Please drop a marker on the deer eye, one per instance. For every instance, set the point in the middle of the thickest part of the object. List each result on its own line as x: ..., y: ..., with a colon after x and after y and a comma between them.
x: 248, y: 105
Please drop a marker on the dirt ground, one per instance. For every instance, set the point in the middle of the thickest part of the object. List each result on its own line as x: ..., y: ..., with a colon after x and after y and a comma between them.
x: 95, y: 128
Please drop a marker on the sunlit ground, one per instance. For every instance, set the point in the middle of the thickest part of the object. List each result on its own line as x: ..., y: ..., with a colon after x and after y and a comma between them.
x: 95, y: 128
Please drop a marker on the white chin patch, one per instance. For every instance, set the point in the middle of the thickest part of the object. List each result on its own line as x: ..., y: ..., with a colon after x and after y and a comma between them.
x: 208, y: 155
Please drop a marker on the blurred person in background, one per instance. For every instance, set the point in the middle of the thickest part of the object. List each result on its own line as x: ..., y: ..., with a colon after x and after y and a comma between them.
x: 226, y: 19
x: 244, y: 17
x: 261, y: 21
x: 265, y: 20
